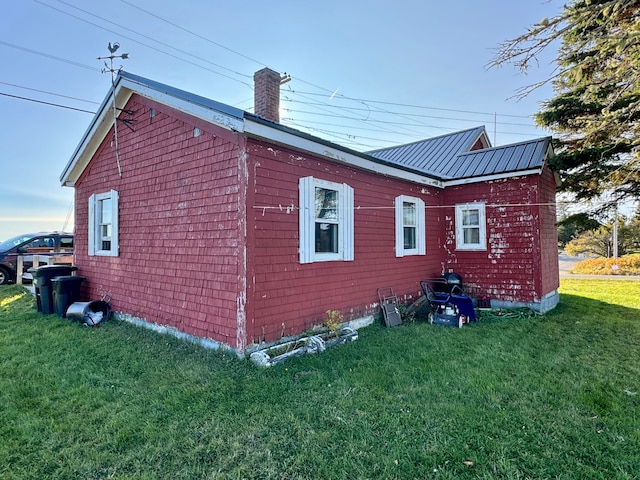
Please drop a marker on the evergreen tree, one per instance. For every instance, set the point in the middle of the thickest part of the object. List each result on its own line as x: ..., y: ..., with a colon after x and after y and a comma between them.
x: 596, y: 109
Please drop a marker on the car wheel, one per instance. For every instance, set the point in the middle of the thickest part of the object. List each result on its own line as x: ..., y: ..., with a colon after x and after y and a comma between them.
x: 4, y: 276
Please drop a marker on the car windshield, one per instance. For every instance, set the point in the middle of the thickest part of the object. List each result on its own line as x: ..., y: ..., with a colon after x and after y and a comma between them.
x: 12, y: 242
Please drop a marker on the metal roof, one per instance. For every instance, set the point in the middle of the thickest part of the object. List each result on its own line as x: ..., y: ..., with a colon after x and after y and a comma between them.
x: 449, y: 157
x: 433, y: 155
x: 496, y: 160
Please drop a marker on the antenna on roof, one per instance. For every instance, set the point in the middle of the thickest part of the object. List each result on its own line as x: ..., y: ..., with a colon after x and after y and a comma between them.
x: 108, y: 67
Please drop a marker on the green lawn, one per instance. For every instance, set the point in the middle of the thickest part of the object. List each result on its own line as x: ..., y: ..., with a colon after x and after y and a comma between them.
x: 517, y: 397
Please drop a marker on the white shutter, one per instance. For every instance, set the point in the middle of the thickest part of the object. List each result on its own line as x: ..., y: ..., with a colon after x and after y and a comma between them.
x: 92, y: 225
x: 306, y: 219
x: 348, y: 215
x: 399, y: 226
x: 421, y: 227
x: 114, y: 223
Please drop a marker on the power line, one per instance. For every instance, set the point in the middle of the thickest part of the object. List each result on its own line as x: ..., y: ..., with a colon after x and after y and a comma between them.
x: 139, y: 42
x: 49, y: 93
x: 343, y: 97
x: 193, y: 33
x: 53, y: 57
x: 416, y: 114
x: 365, y: 102
x: 47, y: 103
x: 385, y: 126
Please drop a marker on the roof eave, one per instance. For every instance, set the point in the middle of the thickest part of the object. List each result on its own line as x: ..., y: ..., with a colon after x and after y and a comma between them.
x: 257, y: 127
x: 124, y: 87
x: 494, y: 176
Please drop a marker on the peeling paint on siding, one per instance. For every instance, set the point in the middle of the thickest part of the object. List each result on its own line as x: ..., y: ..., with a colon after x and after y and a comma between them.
x: 241, y: 330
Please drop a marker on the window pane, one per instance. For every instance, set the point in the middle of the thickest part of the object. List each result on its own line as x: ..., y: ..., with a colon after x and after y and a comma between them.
x: 409, y: 238
x: 471, y: 217
x: 326, y: 204
x: 326, y: 237
x: 472, y: 236
x: 105, y: 210
x: 409, y: 213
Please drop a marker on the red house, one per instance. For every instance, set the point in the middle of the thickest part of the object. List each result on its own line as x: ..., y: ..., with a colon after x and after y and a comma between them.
x: 227, y: 226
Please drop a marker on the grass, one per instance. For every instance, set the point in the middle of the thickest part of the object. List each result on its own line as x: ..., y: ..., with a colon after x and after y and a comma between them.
x: 554, y: 396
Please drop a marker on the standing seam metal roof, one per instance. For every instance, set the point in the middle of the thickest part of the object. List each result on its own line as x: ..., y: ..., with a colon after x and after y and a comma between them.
x: 508, y: 158
x: 431, y: 156
x: 450, y: 157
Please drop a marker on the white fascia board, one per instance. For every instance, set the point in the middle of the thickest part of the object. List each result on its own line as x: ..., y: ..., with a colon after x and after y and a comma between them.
x: 488, y: 178
x: 103, y: 122
x: 207, y: 114
x: 281, y: 137
x: 93, y: 137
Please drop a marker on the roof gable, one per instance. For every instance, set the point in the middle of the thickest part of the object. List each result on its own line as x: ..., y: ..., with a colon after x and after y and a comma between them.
x: 433, y: 155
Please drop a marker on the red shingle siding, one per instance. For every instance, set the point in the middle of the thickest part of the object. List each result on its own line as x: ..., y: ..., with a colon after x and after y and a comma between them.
x: 178, y: 219
x: 290, y: 297
x: 518, y: 234
x: 548, y: 233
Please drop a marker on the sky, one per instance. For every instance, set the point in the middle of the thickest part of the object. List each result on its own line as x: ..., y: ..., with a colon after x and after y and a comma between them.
x: 365, y: 74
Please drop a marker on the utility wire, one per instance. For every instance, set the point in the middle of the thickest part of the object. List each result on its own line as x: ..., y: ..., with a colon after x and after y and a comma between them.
x: 47, y: 103
x: 141, y: 43
x: 418, y: 115
x: 193, y: 33
x: 48, y: 93
x: 365, y: 102
x: 53, y: 57
x: 344, y: 97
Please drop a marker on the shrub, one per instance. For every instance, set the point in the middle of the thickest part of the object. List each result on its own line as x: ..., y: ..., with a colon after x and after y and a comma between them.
x: 625, y: 265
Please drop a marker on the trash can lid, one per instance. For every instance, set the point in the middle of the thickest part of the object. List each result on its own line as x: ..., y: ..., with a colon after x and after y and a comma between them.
x: 67, y: 278
x: 52, y: 270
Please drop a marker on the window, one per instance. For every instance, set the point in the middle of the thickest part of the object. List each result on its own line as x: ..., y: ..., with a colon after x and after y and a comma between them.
x: 471, y: 226
x: 40, y: 244
x: 103, y: 224
x: 326, y: 221
x: 66, y: 244
x: 410, y: 226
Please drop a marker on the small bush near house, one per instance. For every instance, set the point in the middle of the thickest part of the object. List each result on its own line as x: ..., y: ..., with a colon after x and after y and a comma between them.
x: 625, y: 265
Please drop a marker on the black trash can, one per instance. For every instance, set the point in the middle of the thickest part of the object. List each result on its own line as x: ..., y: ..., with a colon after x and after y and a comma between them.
x: 66, y: 290
x: 42, y: 277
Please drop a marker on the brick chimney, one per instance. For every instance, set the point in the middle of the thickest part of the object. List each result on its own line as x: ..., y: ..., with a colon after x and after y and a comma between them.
x: 266, y: 101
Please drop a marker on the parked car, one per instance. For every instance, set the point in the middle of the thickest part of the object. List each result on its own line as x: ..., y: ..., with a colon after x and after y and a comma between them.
x: 28, y: 245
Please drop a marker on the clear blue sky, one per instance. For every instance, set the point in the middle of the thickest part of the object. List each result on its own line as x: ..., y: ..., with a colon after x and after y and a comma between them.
x: 365, y: 74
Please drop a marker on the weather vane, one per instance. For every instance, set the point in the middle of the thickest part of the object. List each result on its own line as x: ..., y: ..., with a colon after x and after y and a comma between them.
x: 108, y: 67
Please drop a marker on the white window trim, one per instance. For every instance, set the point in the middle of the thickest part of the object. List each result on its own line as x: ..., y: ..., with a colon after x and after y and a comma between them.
x: 308, y: 254
x: 420, y: 226
x: 482, y: 220
x: 95, y: 242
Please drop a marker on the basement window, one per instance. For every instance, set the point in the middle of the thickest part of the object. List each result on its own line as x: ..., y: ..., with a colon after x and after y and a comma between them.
x: 471, y: 230
x: 326, y: 221
x: 410, y: 226
x: 103, y: 224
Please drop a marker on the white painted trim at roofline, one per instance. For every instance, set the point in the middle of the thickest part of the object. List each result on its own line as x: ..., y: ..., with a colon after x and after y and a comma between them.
x: 287, y: 139
x: 204, y: 113
x: 124, y: 90
x: 488, y: 178
x: 93, y: 137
